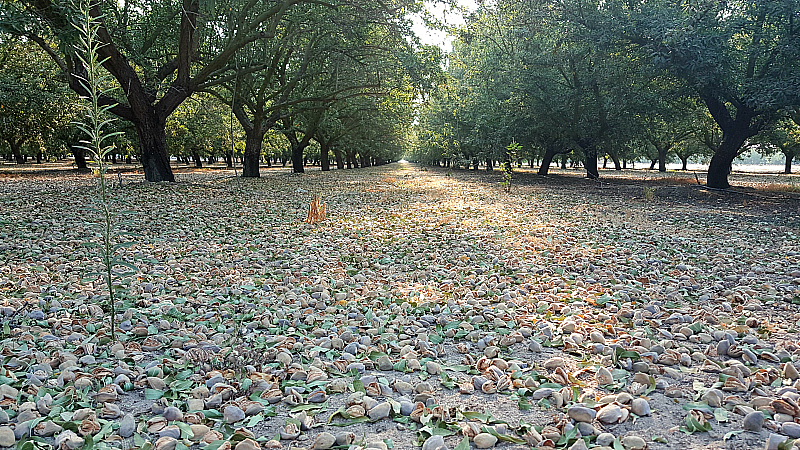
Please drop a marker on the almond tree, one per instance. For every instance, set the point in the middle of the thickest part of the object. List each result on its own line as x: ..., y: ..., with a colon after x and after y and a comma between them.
x: 160, y: 53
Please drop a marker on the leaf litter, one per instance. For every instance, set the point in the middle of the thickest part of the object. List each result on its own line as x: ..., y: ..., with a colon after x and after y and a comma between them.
x: 424, y: 309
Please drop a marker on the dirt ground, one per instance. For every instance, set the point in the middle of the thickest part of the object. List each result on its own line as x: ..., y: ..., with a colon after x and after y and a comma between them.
x: 636, y: 256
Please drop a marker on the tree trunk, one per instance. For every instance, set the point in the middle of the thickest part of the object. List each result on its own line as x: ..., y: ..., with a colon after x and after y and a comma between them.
x: 653, y: 164
x: 605, y: 162
x: 39, y: 157
x: 339, y: 160
x: 591, y: 164
x: 80, y: 158
x: 198, y: 162
x: 16, y: 150
x: 662, y: 157
x: 253, y: 140
x: 735, y: 132
x: 324, y: 156
x: 564, y: 162
x: 615, y: 159
x: 349, y: 158
x: 298, y: 148
x: 153, y: 143
x: 787, y: 169
x: 721, y: 162
x: 229, y: 159
x: 489, y: 164
x: 297, y: 159
x: 546, y: 160
x: 684, y: 162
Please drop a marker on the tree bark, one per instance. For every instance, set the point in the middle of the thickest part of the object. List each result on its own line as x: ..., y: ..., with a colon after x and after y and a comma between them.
x: 80, y: 158
x: 721, y: 162
x: 337, y: 154
x: 735, y: 132
x: 349, y: 159
x: 198, y: 162
x: 615, y: 159
x: 787, y: 169
x: 253, y: 139
x: 547, y: 159
x: 16, y: 150
x: 153, y: 143
x: 489, y: 164
x: 591, y: 163
x: 662, y: 156
x: 297, y: 159
x: 324, y: 156
x: 684, y: 162
x: 298, y: 147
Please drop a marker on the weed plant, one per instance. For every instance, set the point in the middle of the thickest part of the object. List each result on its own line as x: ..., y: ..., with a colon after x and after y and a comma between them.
x: 99, y: 144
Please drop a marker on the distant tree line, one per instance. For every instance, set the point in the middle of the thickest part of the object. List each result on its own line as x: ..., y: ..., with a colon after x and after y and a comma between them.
x: 620, y: 81
x: 255, y: 81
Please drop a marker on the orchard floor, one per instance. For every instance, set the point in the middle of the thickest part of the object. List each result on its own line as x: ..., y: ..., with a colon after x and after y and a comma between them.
x: 458, y: 308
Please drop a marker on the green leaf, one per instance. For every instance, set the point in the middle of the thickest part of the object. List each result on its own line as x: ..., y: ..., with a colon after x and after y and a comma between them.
x: 731, y: 434
x: 153, y: 394
x: 619, y: 353
x: 698, y: 406
x: 692, y: 425
x: 484, y: 417
x: 374, y: 355
x: 452, y: 325
x: 186, y: 430
x: 212, y: 414
x: 507, y: 437
x: 254, y: 420
x: 568, y: 437
x: 215, y: 445
x: 463, y: 445
x: 660, y: 439
x: 721, y: 415
x: 401, y: 365
x: 308, y: 407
